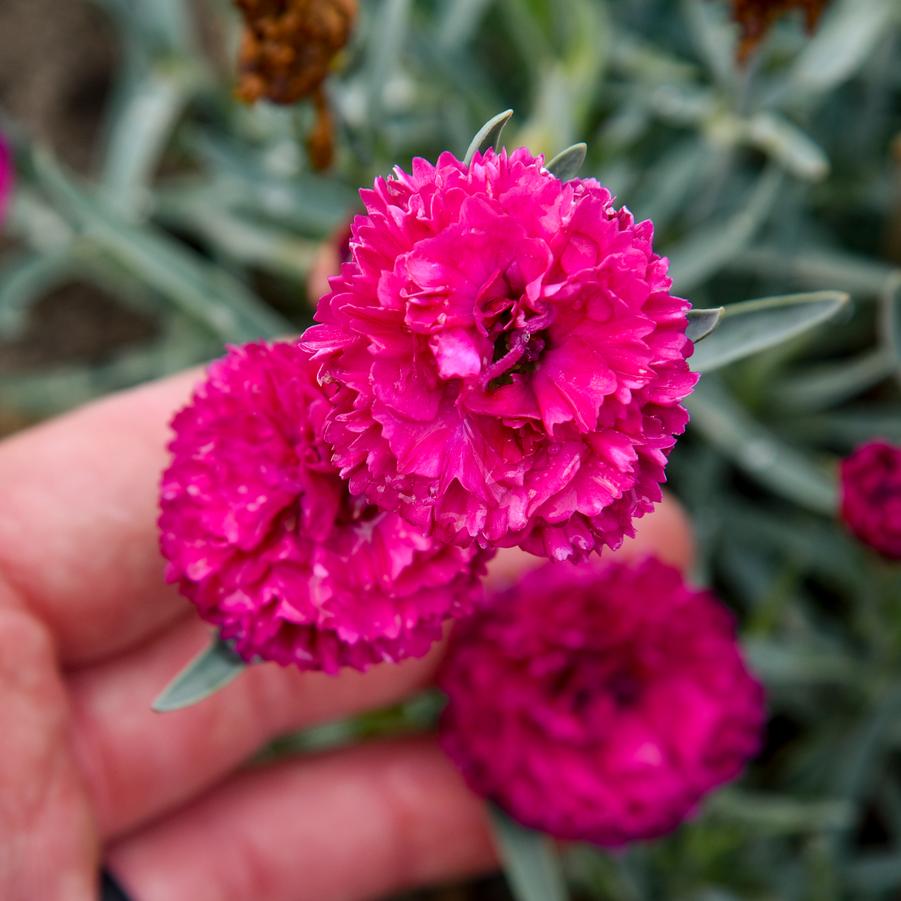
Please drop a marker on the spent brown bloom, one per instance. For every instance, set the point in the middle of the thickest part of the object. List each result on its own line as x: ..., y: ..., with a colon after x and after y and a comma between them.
x: 756, y: 17
x: 286, y: 54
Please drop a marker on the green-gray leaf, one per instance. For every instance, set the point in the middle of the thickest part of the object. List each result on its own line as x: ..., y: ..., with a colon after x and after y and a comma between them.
x: 180, y: 274
x: 27, y: 278
x: 702, y: 322
x: 756, y: 325
x: 567, y: 163
x: 209, y: 671
x: 782, y: 468
x: 774, y: 814
x: 488, y: 135
x: 848, y: 36
x: 827, y: 385
x: 530, y: 861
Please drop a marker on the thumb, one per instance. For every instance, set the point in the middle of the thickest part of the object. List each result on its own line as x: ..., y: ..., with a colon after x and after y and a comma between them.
x: 666, y: 533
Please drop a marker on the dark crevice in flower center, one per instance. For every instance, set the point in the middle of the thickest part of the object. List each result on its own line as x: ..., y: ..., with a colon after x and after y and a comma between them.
x: 354, y: 511
x: 581, y: 684
x: 368, y: 513
x: 517, y: 350
x: 625, y: 687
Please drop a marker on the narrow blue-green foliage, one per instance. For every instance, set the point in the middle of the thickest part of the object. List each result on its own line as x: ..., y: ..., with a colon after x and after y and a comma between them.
x: 567, y: 163
x: 530, y: 861
x: 757, y: 325
x: 702, y: 323
x: 213, y: 668
x: 489, y: 135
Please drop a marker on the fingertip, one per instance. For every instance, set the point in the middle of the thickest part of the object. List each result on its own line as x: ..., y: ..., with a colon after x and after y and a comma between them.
x: 508, y: 565
x: 139, y: 764
x: 666, y: 533
x: 80, y: 492
x: 344, y: 826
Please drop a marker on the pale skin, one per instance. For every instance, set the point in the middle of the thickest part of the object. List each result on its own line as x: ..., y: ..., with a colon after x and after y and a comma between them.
x: 89, y: 774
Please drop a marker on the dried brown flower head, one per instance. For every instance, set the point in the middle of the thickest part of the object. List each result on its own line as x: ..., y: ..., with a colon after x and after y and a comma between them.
x: 287, y: 52
x: 756, y: 17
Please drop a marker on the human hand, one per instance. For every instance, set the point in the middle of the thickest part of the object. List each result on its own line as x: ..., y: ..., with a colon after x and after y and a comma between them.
x: 90, y: 634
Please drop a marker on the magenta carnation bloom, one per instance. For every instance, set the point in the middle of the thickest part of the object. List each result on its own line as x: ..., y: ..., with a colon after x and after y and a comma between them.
x: 871, y: 496
x: 262, y: 535
x: 600, y: 705
x: 510, y: 358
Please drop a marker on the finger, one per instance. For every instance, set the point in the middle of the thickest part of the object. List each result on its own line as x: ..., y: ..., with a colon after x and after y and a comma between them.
x: 48, y: 845
x: 138, y: 764
x: 348, y: 826
x: 666, y: 533
x: 78, y: 521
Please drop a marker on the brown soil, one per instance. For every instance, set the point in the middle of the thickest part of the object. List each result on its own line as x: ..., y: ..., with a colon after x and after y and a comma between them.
x: 56, y: 64
x: 56, y: 67
x: 74, y: 323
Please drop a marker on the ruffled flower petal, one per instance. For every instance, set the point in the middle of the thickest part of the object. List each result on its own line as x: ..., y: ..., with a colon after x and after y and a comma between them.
x: 599, y: 704
x: 492, y: 325
x: 871, y: 496
x: 263, y: 536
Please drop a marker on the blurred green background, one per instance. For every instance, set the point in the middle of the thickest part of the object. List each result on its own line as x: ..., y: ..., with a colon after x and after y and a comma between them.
x: 156, y: 218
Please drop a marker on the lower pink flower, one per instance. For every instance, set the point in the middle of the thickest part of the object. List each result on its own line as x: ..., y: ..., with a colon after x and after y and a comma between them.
x: 262, y: 535
x: 871, y: 496
x: 600, y: 704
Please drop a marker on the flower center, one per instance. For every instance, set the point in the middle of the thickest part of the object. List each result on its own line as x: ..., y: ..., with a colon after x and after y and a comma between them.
x: 625, y: 687
x: 514, y: 352
x: 580, y: 685
x: 355, y: 511
x: 585, y: 681
x: 519, y: 338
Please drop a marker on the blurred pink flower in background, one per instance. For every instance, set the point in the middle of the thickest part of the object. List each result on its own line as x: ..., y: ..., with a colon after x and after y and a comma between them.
x: 871, y: 496
x: 600, y: 703
x: 6, y: 177
x: 261, y: 534
x: 510, y: 361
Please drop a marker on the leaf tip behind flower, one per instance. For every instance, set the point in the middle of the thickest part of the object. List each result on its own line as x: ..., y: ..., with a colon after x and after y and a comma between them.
x: 529, y: 860
x: 756, y: 325
x: 488, y: 135
x: 702, y: 322
x: 567, y: 163
x: 212, y: 669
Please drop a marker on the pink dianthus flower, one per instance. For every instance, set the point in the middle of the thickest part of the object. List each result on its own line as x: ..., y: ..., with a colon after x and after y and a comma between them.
x: 510, y: 358
x: 599, y: 704
x: 6, y: 177
x: 262, y: 536
x: 871, y: 496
